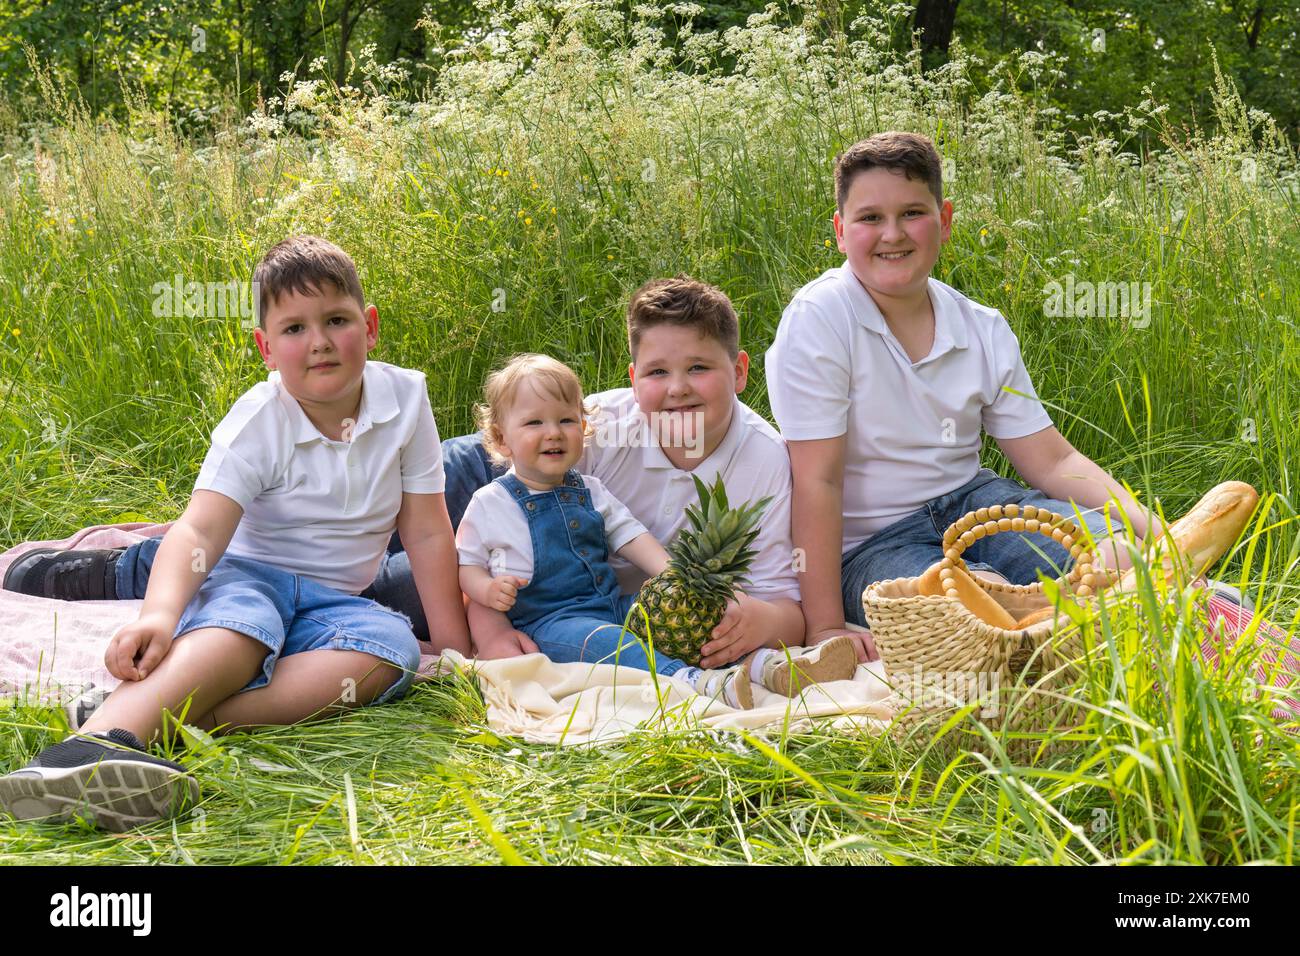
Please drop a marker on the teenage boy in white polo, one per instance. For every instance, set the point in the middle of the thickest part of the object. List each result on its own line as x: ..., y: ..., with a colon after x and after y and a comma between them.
x: 882, y: 380
x: 251, y: 615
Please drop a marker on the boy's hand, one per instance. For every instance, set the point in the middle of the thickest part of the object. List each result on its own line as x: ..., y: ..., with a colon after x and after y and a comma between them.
x: 501, y: 593
x: 138, y: 647
x: 504, y: 644
x: 865, y: 643
x: 741, y: 630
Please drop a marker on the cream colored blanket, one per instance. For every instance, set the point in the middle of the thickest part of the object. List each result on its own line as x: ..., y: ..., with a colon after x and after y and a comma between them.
x: 50, y: 650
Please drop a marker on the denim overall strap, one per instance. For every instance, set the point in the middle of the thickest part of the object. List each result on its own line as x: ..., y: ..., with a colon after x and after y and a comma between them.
x: 571, y: 570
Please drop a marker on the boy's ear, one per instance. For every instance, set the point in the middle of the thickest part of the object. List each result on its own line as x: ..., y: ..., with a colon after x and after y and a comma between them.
x: 742, y: 371
x: 838, y: 223
x: 264, y: 347
x: 945, y: 221
x: 631, y: 373
x: 372, y: 327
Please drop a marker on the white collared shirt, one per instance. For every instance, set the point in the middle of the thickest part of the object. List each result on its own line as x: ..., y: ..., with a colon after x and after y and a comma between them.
x: 494, y: 535
x: 913, y: 428
x: 313, y: 506
x: 751, y: 458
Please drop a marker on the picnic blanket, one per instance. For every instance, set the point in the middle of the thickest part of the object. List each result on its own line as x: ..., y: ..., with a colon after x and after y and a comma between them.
x: 50, y: 650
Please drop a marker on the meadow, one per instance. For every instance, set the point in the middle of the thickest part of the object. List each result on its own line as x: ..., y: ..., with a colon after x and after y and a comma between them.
x: 513, y: 207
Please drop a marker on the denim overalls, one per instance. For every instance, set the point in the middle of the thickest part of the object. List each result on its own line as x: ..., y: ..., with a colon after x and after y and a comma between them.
x: 571, y: 607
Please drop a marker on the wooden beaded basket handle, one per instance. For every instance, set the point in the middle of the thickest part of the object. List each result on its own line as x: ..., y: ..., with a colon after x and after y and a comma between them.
x: 1084, y: 578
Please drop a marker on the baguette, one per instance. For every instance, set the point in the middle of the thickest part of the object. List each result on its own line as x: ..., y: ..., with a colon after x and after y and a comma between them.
x: 1204, y: 534
x: 1029, y: 620
x: 972, y: 596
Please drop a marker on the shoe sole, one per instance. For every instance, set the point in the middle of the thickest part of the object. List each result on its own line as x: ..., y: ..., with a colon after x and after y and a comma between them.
x: 14, y: 580
x: 744, y: 688
x: 832, y: 660
x: 116, y: 794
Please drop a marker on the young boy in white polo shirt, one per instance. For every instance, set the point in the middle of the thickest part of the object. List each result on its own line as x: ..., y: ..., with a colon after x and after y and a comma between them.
x: 251, y: 615
x: 681, y: 417
x: 882, y: 380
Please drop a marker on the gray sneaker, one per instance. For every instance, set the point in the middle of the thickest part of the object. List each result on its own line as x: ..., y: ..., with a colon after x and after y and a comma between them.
x: 66, y: 575
x: 106, y: 777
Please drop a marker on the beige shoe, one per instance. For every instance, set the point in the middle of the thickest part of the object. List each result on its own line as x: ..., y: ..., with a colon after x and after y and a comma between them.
x: 715, y: 684
x: 794, y: 669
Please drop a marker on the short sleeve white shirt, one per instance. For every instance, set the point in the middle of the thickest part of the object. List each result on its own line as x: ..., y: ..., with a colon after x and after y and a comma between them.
x: 913, y: 429
x: 313, y: 506
x: 493, y: 533
x: 753, y: 463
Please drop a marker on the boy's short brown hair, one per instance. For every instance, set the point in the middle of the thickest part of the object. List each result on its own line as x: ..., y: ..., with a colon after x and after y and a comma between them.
x: 911, y: 154
x: 684, y: 302
x: 549, y: 375
x: 301, y: 264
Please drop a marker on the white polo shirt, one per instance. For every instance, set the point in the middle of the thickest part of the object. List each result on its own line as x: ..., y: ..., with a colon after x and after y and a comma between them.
x: 313, y: 506
x: 493, y: 533
x: 751, y: 459
x: 913, y: 429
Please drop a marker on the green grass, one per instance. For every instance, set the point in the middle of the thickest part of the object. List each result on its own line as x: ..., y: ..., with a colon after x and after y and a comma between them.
x: 630, y: 170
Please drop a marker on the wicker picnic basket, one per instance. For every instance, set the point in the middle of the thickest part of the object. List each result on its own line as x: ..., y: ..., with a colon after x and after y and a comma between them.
x: 919, y: 634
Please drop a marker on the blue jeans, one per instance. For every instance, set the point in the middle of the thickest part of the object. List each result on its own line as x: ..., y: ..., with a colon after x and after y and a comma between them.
x: 287, y: 613
x: 598, y: 639
x: 910, y: 545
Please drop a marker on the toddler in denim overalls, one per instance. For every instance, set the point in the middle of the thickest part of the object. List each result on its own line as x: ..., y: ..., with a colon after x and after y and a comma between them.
x: 535, y: 543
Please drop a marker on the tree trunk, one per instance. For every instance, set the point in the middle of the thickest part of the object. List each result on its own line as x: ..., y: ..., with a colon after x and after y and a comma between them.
x: 934, y: 18
x: 1256, y: 21
x: 345, y: 34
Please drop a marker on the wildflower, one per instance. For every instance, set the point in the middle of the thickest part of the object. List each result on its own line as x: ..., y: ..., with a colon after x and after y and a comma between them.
x: 15, y: 332
x: 1006, y: 287
x: 984, y: 232
x: 552, y: 210
x: 827, y: 243
x: 481, y: 218
x: 528, y: 221
x: 609, y: 257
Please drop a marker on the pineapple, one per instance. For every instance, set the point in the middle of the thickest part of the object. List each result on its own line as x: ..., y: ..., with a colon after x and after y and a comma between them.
x: 706, y: 563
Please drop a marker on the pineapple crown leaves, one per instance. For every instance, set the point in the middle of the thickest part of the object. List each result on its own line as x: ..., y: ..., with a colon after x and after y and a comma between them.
x: 714, y: 553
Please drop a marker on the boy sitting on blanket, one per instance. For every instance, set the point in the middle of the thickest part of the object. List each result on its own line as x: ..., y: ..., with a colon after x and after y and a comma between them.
x: 251, y: 614
x: 883, y: 379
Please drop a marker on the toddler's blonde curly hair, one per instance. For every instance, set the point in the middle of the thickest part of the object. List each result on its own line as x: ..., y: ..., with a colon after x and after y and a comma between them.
x: 550, y: 376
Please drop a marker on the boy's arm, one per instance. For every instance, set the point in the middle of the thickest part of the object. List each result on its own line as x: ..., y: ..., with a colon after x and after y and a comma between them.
x: 425, y: 530
x: 189, y: 550
x: 1048, y: 462
x: 493, y: 635
x: 646, y: 553
x: 817, y: 529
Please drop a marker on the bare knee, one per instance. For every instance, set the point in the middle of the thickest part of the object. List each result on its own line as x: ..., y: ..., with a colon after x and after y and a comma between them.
x: 367, y: 678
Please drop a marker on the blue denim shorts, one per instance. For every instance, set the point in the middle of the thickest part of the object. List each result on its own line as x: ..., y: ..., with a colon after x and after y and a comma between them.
x: 910, y: 545
x: 290, y: 614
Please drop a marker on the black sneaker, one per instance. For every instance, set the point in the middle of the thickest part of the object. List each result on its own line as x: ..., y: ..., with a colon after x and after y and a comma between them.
x: 65, y: 575
x: 106, y: 777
